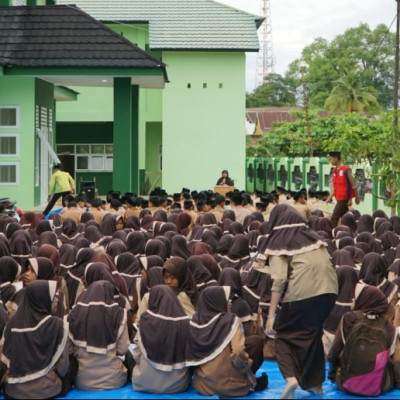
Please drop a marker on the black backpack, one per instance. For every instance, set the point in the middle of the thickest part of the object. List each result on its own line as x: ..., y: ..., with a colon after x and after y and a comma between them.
x: 365, y: 367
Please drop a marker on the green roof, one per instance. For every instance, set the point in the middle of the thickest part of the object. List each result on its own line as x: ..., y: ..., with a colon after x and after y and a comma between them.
x: 181, y: 24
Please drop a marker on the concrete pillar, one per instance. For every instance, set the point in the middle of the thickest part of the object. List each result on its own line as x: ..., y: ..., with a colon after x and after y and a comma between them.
x: 126, y: 136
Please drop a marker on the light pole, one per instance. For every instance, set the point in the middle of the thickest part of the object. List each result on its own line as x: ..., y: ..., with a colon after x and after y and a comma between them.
x: 303, y: 67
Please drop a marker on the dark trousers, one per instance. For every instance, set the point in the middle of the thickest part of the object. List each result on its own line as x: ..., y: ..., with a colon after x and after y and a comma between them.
x: 53, y: 201
x: 299, y: 348
x: 341, y: 208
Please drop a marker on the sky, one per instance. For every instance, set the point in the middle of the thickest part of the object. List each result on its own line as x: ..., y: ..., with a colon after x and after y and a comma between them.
x: 297, y: 23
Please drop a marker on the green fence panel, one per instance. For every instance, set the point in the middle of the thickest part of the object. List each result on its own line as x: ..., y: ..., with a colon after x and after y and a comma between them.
x: 265, y: 174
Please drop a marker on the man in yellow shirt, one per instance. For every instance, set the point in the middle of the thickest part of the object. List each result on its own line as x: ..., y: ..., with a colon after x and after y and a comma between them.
x: 61, y: 185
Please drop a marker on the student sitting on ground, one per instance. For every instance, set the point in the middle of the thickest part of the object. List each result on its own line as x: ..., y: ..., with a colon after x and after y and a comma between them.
x: 35, y: 350
x: 217, y: 348
x: 161, y: 354
x: 363, y: 353
x: 99, y: 335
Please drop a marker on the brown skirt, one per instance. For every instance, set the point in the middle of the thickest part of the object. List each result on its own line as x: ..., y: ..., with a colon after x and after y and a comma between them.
x: 299, y: 348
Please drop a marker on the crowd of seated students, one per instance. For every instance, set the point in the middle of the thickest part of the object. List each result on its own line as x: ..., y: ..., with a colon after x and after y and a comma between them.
x: 178, y: 290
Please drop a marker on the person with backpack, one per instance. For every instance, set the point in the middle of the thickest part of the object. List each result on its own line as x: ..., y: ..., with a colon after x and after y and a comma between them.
x: 363, y: 359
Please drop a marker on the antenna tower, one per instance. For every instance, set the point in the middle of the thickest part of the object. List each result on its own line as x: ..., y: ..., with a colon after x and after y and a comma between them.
x: 265, y: 60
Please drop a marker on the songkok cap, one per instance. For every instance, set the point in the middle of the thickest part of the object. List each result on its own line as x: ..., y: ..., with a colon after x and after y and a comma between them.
x: 336, y: 154
x: 97, y: 202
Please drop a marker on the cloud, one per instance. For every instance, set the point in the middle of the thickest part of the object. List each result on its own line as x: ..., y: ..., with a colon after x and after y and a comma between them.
x: 296, y: 24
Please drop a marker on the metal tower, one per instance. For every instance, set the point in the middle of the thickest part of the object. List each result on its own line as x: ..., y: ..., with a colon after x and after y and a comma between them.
x: 265, y: 60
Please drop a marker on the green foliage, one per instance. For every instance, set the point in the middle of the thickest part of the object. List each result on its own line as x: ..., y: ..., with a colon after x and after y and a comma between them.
x: 290, y: 139
x: 370, y: 52
x: 359, y: 137
x: 348, y: 95
x: 275, y: 92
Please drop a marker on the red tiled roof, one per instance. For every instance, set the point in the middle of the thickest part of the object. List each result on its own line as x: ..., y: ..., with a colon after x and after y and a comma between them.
x: 267, y: 116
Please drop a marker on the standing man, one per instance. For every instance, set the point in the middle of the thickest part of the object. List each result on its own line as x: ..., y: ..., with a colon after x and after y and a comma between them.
x: 344, y: 187
x: 61, y: 185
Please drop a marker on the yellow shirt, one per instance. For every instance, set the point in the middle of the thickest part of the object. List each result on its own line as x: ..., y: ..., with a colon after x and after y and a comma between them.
x: 61, y: 182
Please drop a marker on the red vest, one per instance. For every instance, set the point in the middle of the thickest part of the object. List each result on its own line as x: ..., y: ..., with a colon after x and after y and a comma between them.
x: 341, y: 184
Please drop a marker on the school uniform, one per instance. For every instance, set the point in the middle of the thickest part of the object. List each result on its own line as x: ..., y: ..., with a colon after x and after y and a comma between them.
x: 161, y: 354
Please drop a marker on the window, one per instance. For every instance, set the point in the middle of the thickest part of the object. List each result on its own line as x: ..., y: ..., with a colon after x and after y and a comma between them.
x: 90, y: 157
x: 9, y: 117
x: 9, y: 174
x: 9, y: 145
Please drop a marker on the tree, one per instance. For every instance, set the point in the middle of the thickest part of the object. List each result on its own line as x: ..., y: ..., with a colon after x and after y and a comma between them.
x: 377, y: 142
x: 371, y: 52
x: 290, y: 139
x: 348, y: 95
x: 275, y: 92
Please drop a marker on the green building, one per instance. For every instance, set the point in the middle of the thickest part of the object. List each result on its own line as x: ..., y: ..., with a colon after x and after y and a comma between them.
x: 44, y: 51
x: 194, y: 128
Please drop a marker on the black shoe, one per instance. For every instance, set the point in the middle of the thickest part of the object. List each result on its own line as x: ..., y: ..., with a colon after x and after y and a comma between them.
x: 262, y: 383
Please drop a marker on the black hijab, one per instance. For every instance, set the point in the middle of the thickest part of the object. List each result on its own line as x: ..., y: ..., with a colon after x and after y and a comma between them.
x: 10, y: 271
x: 373, y: 271
x: 342, y: 257
x: 289, y: 234
x: 365, y: 224
x: 201, y: 275
x: 347, y: 278
x: 231, y: 277
x: 238, y: 255
x: 133, y: 222
x: 43, y: 268
x: 349, y: 220
x: 68, y: 254
x: 180, y: 247
x: 97, y: 321
x: 212, y: 328
x: 34, y: 333
x: 44, y: 226
x: 136, y: 243
x: 69, y: 231
x: 109, y: 225
x: 115, y: 248
x: 156, y: 247
x: 93, y: 234
x: 164, y: 331
x: 129, y: 268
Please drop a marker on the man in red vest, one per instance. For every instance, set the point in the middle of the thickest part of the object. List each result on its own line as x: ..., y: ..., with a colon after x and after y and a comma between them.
x: 344, y: 187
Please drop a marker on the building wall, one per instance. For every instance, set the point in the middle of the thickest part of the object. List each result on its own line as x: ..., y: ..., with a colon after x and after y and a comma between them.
x: 203, y: 127
x: 153, y: 142
x: 21, y: 92
x: 96, y: 104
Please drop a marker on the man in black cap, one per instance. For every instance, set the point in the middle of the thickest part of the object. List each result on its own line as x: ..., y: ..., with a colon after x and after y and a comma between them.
x: 219, y: 208
x: 300, y: 204
x: 281, y: 192
x: 344, y: 187
x: 97, y: 210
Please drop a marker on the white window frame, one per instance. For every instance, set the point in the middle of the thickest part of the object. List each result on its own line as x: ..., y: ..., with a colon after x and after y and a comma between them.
x: 18, y: 117
x: 90, y: 156
x: 17, y: 165
x: 18, y: 148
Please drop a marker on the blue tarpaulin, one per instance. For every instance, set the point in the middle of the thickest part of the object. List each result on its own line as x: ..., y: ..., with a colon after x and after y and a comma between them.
x: 276, y: 386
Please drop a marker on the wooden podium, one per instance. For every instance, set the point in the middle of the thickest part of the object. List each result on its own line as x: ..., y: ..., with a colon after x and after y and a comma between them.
x: 223, y: 190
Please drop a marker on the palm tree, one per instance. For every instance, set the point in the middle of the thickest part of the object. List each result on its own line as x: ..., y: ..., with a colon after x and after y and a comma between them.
x: 348, y: 95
